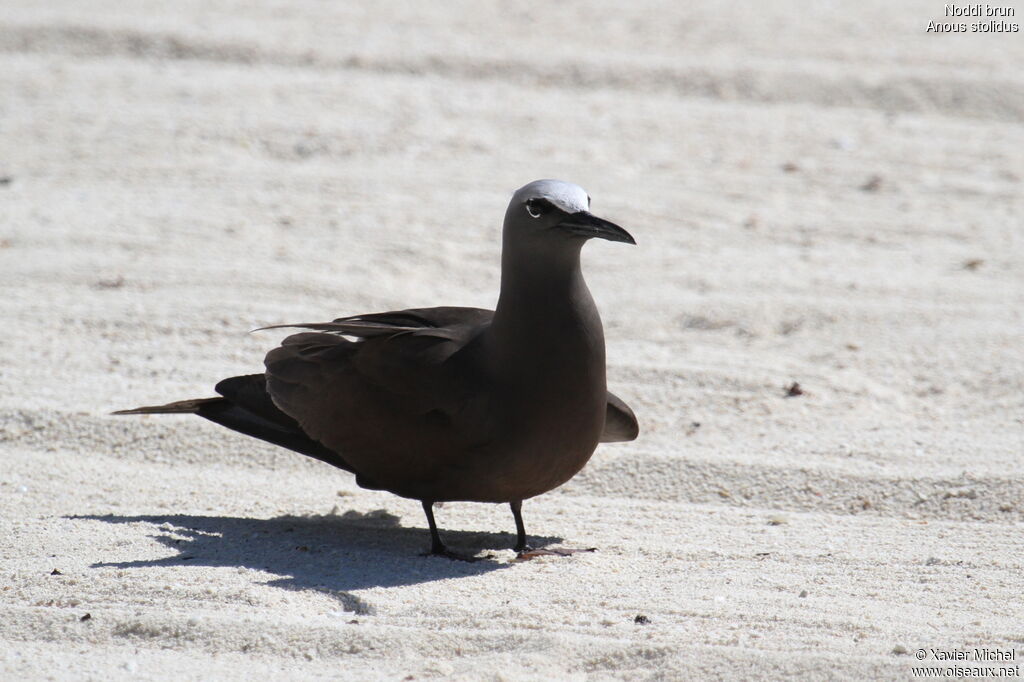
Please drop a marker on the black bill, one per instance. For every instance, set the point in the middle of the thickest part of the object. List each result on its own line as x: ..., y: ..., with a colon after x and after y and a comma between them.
x: 588, y: 225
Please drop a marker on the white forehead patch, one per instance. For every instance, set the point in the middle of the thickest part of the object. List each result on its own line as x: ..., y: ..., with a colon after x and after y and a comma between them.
x: 565, y: 195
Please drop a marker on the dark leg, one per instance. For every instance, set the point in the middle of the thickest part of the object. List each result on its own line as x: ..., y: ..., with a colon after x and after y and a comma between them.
x: 437, y: 547
x: 517, y: 514
x: 523, y: 550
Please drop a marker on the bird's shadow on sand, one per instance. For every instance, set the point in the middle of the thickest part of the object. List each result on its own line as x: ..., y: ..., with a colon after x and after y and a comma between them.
x: 332, y: 554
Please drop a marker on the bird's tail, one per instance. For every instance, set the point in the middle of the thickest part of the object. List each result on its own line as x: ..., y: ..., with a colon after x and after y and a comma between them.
x: 180, y: 407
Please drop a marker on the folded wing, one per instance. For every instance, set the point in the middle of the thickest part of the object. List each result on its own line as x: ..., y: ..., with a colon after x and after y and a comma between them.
x: 396, y: 403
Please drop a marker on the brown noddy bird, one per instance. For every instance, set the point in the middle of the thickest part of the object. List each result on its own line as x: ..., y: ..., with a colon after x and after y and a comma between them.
x: 446, y: 404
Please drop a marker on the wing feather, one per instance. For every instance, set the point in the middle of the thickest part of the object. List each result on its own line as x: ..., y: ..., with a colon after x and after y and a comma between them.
x: 620, y: 424
x: 400, y: 397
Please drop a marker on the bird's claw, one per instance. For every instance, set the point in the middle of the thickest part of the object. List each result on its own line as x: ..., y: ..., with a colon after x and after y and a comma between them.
x: 528, y: 552
x: 454, y: 556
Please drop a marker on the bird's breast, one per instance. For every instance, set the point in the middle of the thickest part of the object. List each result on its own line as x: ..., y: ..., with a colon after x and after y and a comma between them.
x: 543, y: 358
x: 551, y: 412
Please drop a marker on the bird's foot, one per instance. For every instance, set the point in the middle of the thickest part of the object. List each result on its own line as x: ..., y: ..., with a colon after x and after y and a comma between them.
x: 443, y: 551
x: 526, y: 552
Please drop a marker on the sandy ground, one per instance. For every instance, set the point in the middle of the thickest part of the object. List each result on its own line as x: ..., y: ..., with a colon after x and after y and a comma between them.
x: 826, y: 195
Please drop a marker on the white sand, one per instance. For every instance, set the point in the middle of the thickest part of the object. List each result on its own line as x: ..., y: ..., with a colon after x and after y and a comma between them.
x: 183, y: 172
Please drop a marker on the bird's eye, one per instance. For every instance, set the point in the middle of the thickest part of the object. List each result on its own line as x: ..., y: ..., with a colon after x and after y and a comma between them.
x: 538, y: 207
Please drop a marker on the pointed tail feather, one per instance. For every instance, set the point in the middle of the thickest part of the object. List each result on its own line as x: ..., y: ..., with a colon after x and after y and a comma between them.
x: 247, y: 408
x: 180, y: 407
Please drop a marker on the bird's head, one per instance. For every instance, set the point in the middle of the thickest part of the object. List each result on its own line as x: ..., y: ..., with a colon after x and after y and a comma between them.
x: 554, y: 211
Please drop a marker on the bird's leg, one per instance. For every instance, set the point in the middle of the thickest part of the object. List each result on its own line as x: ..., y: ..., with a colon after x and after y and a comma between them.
x: 523, y: 551
x: 437, y: 547
x: 517, y: 514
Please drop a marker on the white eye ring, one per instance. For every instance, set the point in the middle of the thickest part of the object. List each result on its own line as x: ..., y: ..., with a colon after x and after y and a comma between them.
x: 537, y: 207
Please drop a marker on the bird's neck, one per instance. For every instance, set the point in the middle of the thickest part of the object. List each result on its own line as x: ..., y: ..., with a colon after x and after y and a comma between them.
x: 527, y: 275
x: 545, y: 306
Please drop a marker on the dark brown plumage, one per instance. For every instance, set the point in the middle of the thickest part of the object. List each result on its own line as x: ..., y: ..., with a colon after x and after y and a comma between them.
x: 444, y: 404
